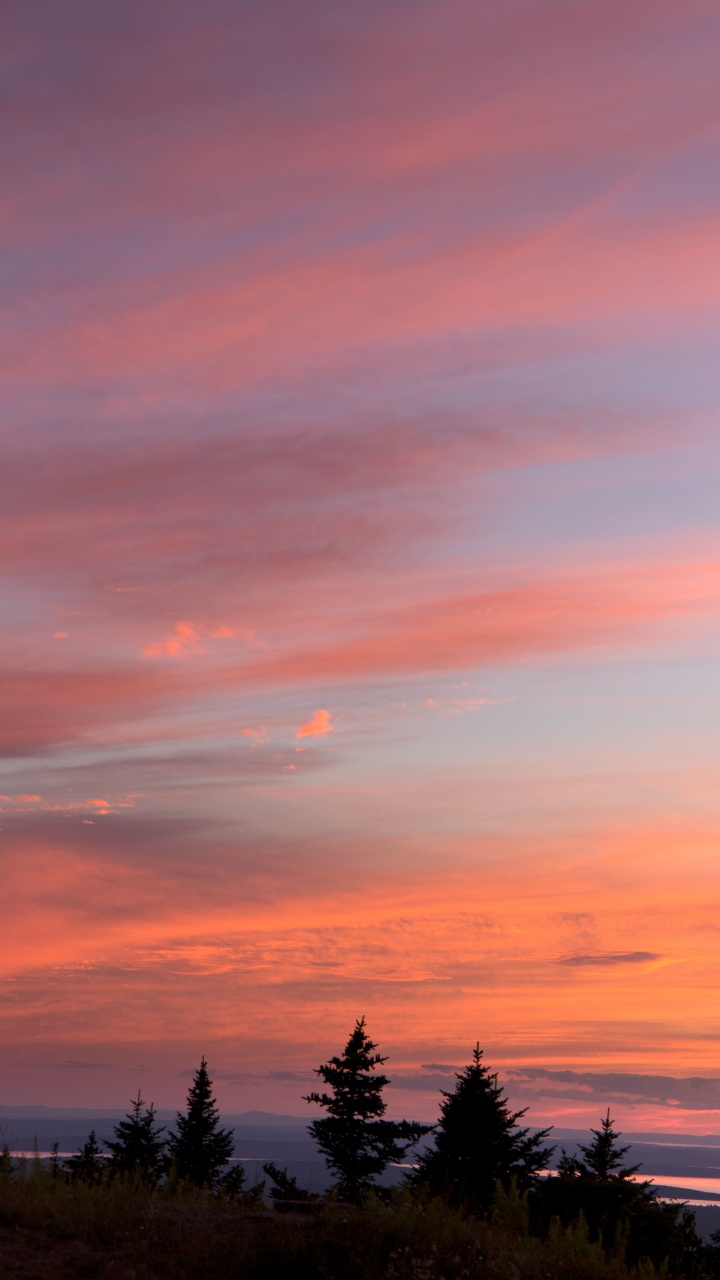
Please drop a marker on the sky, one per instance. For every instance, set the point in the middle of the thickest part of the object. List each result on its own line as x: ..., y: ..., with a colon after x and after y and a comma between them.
x: 360, y: 572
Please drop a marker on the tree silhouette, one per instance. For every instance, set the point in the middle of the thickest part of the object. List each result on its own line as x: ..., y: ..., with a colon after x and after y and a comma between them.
x: 232, y: 1184
x: 478, y: 1143
x: 622, y: 1212
x: 285, y: 1186
x: 200, y: 1148
x: 88, y: 1164
x: 138, y: 1148
x: 356, y: 1142
x: 603, y: 1156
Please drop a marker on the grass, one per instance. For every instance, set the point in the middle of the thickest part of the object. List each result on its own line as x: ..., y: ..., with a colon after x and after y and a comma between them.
x: 54, y: 1230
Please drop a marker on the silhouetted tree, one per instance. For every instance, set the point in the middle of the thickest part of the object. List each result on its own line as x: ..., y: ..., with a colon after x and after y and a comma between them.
x: 603, y: 1156
x: 621, y: 1211
x: 478, y: 1143
x: 88, y: 1164
x: 285, y: 1186
x: 138, y: 1148
x: 200, y: 1148
x: 232, y: 1183
x: 356, y: 1142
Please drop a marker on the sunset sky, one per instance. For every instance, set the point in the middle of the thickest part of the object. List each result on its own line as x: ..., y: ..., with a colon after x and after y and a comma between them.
x: 361, y: 550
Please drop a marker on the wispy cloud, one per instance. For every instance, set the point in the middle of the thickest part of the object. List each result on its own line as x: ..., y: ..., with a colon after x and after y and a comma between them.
x: 602, y: 958
x: 460, y: 706
x: 187, y: 638
x: 256, y: 736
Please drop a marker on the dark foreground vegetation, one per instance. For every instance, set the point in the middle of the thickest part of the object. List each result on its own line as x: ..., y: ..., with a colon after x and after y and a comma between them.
x: 476, y: 1205
x: 52, y: 1230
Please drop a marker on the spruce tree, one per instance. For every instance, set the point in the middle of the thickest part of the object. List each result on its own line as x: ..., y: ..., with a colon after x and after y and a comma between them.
x: 285, y: 1186
x: 603, y: 1156
x: 138, y: 1149
x: 356, y: 1142
x: 88, y: 1164
x: 478, y: 1143
x: 200, y: 1148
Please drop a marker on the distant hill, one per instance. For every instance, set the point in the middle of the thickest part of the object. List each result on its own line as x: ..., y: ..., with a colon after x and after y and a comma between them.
x: 259, y: 1135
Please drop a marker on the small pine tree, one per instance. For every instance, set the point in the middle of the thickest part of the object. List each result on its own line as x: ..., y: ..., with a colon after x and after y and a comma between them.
x: 356, y: 1142
x: 232, y: 1184
x: 285, y: 1186
x: 478, y: 1143
x: 138, y: 1149
x: 88, y: 1164
x: 200, y: 1149
x: 603, y: 1156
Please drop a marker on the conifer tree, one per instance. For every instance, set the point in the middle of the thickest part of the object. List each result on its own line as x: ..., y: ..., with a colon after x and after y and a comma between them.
x: 603, y: 1156
x: 200, y: 1148
x: 138, y: 1148
x: 232, y: 1184
x: 356, y: 1142
x: 478, y: 1143
x: 88, y: 1164
x: 617, y: 1207
x: 285, y: 1186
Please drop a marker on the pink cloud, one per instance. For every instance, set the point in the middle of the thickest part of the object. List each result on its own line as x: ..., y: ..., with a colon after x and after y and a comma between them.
x: 318, y: 726
x: 104, y: 805
x: 459, y: 706
x: 607, y: 607
x: 186, y: 639
x: 256, y: 735
x: 41, y: 706
x: 575, y: 612
x: 181, y: 643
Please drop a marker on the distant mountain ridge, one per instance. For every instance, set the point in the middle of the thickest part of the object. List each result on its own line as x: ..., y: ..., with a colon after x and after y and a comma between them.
x: 269, y: 1118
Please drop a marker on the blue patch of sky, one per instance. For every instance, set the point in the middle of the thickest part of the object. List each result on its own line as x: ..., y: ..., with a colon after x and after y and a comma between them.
x: 562, y: 507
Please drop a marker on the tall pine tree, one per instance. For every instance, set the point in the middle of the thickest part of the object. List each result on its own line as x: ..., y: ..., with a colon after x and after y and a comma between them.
x: 200, y: 1148
x: 138, y: 1148
x: 478, y: 1143
x: 356, y: 1142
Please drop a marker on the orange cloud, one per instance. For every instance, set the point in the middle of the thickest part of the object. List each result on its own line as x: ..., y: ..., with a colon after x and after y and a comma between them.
x: 182, y: 641
x: 318, y: 726
x: 185, y: 639
x: 104, y: 806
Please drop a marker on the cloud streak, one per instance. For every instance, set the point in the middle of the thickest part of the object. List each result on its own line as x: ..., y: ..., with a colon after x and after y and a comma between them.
x: 610, y: 958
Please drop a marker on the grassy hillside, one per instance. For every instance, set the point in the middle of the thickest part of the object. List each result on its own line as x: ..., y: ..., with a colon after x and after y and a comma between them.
x: 52, y: 1230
